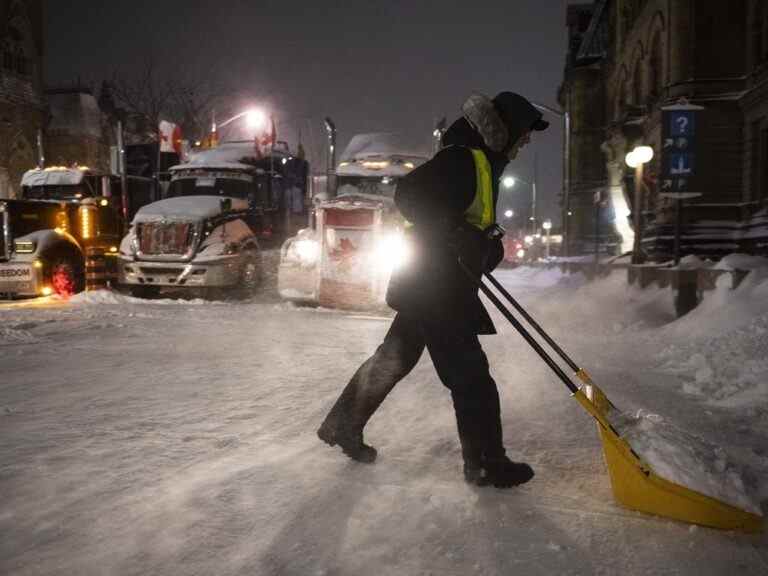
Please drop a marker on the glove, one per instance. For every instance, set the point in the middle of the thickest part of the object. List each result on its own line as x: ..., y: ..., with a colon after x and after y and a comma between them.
x: 495, y: 255
x: 471, y: 246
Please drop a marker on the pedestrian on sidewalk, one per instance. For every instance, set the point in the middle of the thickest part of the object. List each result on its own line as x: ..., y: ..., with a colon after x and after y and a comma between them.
x: 450, y: 204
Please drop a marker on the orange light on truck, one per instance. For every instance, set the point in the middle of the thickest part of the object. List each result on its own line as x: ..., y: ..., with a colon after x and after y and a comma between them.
x: 46, y: 291
x: 87, y: 223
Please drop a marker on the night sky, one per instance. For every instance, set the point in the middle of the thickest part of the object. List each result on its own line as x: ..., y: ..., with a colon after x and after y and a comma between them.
x: 371, y: 66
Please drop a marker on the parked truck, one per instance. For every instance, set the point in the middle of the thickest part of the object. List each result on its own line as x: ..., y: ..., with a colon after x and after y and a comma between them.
x: 205, y: 234
x: 65, y: 219
x: 346, y: 258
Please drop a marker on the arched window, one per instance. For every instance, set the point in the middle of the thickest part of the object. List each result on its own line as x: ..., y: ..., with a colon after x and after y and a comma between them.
x: 657, y: 67
x: 14, y: 58
x: 622, y: 96
x: 637, y: 84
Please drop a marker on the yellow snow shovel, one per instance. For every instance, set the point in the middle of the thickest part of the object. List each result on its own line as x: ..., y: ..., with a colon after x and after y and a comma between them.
x: 635, y: 484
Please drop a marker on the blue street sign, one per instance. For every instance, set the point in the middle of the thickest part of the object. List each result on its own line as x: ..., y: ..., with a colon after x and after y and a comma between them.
x: 682, y: 123
x: 680, y: 164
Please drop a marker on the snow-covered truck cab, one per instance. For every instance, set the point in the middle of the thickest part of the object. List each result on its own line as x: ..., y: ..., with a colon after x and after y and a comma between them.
x: 346, y: 260
x: 204, y: 233
x: 65, y: 218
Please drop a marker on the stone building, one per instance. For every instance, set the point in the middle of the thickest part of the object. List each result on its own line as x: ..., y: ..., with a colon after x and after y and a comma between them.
x: 77, y: 130
x: 22, y: 110
x: 629, y: 58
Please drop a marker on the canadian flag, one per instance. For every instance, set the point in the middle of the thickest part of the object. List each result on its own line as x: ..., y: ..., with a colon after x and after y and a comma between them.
x: 170, y: 137
x: 270, y: 136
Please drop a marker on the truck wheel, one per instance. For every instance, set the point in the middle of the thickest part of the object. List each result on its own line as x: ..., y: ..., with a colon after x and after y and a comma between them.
x: 66, y: 277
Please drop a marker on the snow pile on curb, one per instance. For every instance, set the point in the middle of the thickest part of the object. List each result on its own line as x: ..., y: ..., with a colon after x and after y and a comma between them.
x: 720, y: 349
x: 99, y: 297
x: 685, y: 459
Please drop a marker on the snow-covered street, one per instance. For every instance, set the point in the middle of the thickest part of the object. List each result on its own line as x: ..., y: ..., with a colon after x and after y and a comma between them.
x: 178, y: 437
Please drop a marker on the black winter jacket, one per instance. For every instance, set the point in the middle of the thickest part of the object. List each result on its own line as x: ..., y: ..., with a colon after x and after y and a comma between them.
x: 434, y: 197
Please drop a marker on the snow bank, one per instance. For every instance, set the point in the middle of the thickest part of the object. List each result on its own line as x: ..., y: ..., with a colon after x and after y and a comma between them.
x: 718, y: 352
x: 739, y: 261
x: 101, y: 297
x: 685, y: 459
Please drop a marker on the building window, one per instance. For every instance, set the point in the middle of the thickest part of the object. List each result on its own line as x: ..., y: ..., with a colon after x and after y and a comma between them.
x: 637, y: 85
x: 14, y: 59
x: 656, y: 66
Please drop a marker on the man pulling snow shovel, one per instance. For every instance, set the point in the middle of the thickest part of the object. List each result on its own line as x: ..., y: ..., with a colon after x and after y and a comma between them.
x: 450, y: 205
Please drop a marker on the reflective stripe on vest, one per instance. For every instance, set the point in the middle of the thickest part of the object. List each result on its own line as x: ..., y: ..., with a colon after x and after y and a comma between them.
x: 481, y: 212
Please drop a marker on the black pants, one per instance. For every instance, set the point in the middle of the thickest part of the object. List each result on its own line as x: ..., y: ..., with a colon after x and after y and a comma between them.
x: 462, y: 367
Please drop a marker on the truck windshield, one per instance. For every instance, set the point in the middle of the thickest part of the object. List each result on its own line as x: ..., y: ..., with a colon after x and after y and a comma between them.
x: 56, y: 192
x: 378, y: 186
x: 210, y: 186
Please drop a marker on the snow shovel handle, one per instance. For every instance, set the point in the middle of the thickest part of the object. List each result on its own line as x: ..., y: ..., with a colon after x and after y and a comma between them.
x: 520, y: 328
x: 532, y: 322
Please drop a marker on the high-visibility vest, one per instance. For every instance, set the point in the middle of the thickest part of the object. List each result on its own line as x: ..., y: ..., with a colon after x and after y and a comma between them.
x: 481, y: 213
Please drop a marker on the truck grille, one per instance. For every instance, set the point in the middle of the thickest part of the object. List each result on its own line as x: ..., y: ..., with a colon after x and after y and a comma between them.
x: 5, y: 233
x: 161, y: 238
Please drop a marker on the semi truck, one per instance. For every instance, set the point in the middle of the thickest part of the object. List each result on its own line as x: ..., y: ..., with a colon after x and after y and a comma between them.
x: 206, y: 234
x: 346, y: 258
x: 65, y: 228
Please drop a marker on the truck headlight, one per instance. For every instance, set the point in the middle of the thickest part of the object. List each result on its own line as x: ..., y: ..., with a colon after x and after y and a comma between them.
x: 393, y: 251
x: 23, y: 246
x: 306, y: 251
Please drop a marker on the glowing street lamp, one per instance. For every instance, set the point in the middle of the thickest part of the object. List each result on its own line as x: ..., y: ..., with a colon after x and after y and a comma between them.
x: 510, y: 182
x: 636, y: 159
x: 547, y: 225
x: 255, y: 119
x: 509, y: 213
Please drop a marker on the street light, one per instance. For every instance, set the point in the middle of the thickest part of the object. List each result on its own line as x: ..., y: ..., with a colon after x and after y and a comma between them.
x: 636, y: 159
x: 254, y: 117
x: 510, y: 182
x: 509, y: 213
x: 547, y: 225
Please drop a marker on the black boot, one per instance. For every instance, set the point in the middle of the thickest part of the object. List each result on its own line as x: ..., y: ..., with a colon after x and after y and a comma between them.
x: 499, y: 472
x: 350, y: 443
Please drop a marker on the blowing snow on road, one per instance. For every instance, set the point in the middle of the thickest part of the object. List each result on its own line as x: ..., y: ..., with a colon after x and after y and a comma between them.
x: 178, y: 437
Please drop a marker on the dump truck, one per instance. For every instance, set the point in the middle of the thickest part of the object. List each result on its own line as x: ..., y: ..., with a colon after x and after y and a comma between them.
x: 346, y: 258
x: 62, y: 234
x: 205, y: 234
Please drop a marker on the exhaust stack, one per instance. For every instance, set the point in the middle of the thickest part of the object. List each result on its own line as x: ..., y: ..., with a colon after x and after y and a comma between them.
x: 330, y: 171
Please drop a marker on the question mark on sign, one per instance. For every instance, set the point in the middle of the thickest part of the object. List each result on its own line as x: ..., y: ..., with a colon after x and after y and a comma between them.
x: 683, y: 122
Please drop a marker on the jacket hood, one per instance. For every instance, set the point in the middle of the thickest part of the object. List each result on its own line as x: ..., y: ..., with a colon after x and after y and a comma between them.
x: 497, y: 123
x: 461, y: 133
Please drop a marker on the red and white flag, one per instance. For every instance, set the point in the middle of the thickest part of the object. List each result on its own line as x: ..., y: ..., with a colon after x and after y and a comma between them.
x: 170, y: 137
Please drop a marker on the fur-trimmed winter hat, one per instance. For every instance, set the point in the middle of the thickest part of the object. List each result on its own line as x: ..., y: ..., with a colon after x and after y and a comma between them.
x: 502, y: 120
